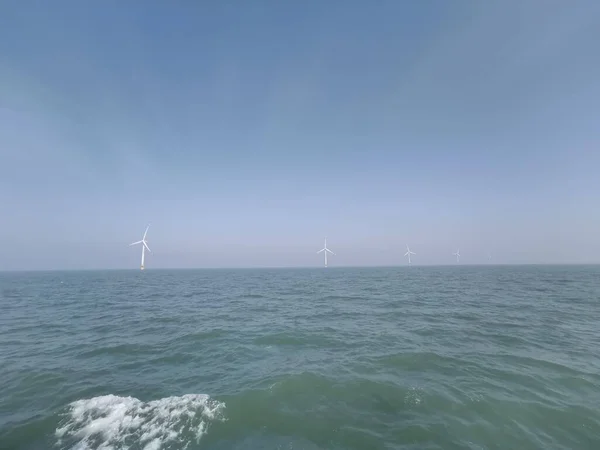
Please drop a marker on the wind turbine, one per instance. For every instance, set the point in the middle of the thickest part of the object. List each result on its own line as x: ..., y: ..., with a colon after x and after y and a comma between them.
x: 144, y: 247
x: 457, y: 254
x: 408, y: 253
x: 325, y: 250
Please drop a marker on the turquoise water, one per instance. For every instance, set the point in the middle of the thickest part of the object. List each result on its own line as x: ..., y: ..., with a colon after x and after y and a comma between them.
x: 400, y: 358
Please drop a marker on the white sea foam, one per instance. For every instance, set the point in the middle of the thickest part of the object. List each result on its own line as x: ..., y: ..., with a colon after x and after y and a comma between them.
x: 413, y: 396
x: 110, y: 422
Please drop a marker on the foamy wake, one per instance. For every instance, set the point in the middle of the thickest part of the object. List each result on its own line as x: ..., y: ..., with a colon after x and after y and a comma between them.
x: 110, y: 422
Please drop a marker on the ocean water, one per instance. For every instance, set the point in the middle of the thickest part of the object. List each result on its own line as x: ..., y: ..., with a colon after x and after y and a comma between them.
x: 389, y: 358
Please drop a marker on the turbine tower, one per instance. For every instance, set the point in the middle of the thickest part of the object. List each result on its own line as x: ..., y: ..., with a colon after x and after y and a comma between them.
x: 408, y: 253
x: 457, y: 254
x: 325, y: 250
x: 144, y: 247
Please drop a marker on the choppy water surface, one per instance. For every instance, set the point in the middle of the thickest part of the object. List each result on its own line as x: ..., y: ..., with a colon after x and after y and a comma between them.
x: 401, y: 358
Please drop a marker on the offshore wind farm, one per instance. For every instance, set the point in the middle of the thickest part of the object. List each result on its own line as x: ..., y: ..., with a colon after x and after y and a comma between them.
x: 325, y: 251
x: 374, y: 225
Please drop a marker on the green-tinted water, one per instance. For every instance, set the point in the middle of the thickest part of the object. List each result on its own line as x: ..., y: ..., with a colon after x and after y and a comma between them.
x: 419, y: 358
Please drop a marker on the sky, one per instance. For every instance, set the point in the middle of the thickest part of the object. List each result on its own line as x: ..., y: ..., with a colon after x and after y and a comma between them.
x: 247, y: 132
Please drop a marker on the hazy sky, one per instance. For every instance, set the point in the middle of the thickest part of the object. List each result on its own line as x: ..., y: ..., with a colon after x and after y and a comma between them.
x: 246, y: 132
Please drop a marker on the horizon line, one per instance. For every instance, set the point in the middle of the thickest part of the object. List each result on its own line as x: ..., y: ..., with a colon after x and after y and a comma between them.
x: 407, y: 266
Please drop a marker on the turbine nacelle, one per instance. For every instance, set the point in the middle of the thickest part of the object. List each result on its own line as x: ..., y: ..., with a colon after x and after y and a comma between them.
x: 142, y: 242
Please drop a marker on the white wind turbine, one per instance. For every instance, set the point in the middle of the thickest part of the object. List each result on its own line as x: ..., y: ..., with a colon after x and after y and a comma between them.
x: 457, y: 254
x: 408, y: 253
x: 325, y: 250
x: 144, y: 247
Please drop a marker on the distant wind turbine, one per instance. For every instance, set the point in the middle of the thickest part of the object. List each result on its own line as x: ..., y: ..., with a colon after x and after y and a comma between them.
x: 457, y: 254
x: 144, y: 246
x: 408, y: 253
x: 325, y: 250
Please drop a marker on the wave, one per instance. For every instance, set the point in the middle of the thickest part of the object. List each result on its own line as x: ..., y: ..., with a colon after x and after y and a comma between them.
x: 314, y: 340
x: 114, y: 422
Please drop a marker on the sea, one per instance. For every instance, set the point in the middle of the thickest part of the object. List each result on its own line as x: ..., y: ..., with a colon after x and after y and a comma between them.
x: 456, y: 357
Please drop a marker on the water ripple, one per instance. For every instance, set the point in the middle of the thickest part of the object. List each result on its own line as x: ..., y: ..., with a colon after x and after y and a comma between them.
x: 407, y: 358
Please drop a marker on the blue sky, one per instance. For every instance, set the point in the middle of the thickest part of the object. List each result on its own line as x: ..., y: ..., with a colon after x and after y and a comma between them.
x: 246, y: 132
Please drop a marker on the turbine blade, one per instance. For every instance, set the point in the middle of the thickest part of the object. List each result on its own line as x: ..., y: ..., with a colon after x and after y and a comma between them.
x: 145, y: 232
x: 407, y: 253
x: 148, y: 248
x: 322, y: 250
x: 135, y: 243
x: 330, y: 251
